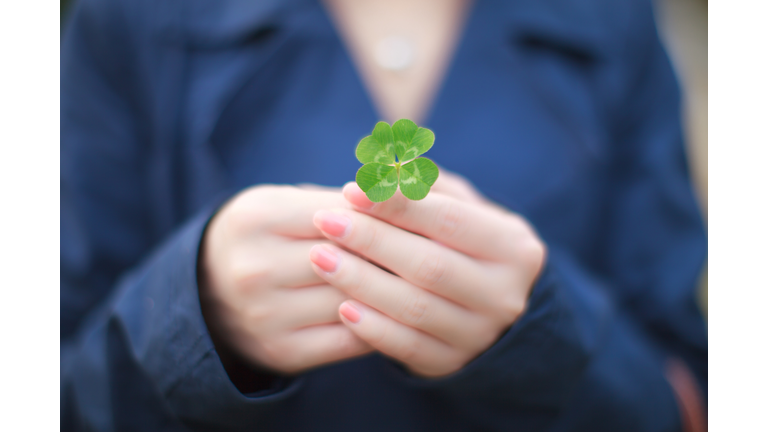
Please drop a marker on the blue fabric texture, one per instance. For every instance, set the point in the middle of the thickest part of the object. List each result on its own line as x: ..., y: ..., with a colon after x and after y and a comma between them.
x: 571, y: 112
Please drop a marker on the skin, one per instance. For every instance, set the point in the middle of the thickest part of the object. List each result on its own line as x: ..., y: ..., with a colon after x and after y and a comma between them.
x: 461, y: 271
x: 260, y: 298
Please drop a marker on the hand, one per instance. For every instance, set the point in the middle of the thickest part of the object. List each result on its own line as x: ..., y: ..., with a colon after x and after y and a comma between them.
x: 260, y: 297
x: 461, y: 275
x: 456, y: 186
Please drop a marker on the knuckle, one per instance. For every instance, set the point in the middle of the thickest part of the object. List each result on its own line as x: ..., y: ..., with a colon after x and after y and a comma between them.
x: 234, y: 218
x: 520, y: 243
x: 347, y: 343
x: 431, y: 271
x: 534, y: 253
x: 408, y: 350
x: 273, y: 352
x: 380, y: 337
x: 446, y: 365
x: 511, y: 307
x: 255, y: 207
x: 415, y: 310
x: 396, y: 208
x: 299, y: 360
x: 247, y: 276
x: 507, y: 242
x: 269, y: 192
x: 242, y: 217
x: 258, y: 313
x: 290, y: 366
x: 358, y: 282
x: 294, y: 358
x: 344, y: 343
x: 368, y: 238
x: 450, y: 219
x: 486, y: 335
x: 455, y: 363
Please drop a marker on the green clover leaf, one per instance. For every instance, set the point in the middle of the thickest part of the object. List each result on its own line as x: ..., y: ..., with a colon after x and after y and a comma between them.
x: 391, y: 159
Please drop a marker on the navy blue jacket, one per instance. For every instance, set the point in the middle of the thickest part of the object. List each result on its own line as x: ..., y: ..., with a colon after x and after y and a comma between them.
x: 564, y: 111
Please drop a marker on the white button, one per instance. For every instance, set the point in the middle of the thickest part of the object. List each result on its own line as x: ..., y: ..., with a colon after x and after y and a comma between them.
x: 394, y: 53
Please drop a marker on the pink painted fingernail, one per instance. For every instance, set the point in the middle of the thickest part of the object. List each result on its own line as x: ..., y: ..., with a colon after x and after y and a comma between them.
x: 357, y: 197
x: 324, y: 258
x: 332, y: 223
x: 350, y: 312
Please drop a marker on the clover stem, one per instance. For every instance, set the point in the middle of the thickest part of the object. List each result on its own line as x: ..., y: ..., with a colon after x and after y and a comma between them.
x: 397, y: 168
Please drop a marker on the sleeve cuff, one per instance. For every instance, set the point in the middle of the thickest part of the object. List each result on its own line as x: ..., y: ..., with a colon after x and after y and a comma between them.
x: 538, y: 361
x: 168, y: 334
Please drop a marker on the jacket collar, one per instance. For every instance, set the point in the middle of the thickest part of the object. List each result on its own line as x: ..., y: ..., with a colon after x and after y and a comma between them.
x: 211, y: 24
x: 577, y: 26
x: 580, y: 25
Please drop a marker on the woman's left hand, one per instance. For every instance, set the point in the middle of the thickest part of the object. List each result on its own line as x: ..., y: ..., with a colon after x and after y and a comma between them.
x: 461, y: 274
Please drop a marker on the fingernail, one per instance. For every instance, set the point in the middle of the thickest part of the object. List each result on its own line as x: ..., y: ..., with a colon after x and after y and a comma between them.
x: 350, y: 312
x: 324, y: 258
x: 357, y: 197
x: 332, y: 223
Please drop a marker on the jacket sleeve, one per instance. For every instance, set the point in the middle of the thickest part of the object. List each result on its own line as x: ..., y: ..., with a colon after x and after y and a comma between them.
x: 592, y: 349
x: 135, y: 351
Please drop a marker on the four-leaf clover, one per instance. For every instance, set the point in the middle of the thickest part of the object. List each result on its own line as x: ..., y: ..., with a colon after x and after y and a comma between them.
x: 391, y: 158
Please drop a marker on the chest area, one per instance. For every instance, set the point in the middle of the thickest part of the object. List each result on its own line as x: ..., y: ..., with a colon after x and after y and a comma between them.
x: 524, y: 127
x: 400, y: 48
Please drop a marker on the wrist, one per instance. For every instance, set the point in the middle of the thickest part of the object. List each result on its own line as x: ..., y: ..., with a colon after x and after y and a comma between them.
x: 244, y: 376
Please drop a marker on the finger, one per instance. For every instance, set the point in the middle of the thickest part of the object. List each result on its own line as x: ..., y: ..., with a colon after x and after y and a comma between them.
x: 300, y: 206
x: 308, y: 306
x: 423, y: 354
x: 478, y: 231
x: 456, y: 186
x: 295, y: 270
x: 313, y: 346
x: 397, y: 298
x: 285, y: 265
x: 283, y: 210
x: 316, y: 187
x: 416, y: 259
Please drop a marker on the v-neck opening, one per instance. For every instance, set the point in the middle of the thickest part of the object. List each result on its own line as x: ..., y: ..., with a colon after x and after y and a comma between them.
x: 444, y: 77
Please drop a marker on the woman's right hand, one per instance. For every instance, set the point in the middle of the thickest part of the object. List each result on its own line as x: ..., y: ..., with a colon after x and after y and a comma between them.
x: 260, y: 297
